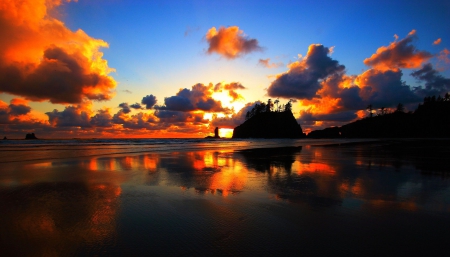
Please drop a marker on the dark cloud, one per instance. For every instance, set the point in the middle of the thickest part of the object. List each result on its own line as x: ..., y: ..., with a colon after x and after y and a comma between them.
x: 102, y: 119
x: 149, y: 101
x: 199, y: 98
x: 71, y: 117
x: 179, y: 117
x: 384, y: 88
x: 351, y: 100
x: 302, y: 80
x: 136, y: 106
x: 435, y: 84
x: 399, y: 54
x: 125, y: 107
x: 19, y: 109
x: 178, y: 103
x: 141, y: 121
x: 230, y: 42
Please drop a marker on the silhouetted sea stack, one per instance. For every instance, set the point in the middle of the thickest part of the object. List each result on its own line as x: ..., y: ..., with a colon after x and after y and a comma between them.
x: 4, y: 138
x: 270, y: 125
x: 216, y: 133
x: 30, y: 136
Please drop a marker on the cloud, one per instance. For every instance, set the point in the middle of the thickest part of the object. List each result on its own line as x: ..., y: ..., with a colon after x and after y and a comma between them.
x: 198, y: 98
x: 340, y: 116
x: 127, y: 91
x: 399, y: 54
x: 230, y: 42
x: 41, y: 59
x: 443, y: 56
x: 301, y: 81
x: 149, y: 101
x: 266, y: 63
x: 72, y: 116
x: 384, y: 88
x: 141, y: 121
x: 435, y: 84
x: 19, y: 107
x: 437, y: 41
x: 102, y: 119
x: 326, y: 94
x: 136, y: 106
x: 179, y: 117
x: 125, y: 107
x: 231, y: 88
x: 14, y: 112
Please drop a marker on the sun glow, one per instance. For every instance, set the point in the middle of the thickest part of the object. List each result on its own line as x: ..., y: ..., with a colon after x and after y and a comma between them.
x: 227, y: 101
x: 224, y: 132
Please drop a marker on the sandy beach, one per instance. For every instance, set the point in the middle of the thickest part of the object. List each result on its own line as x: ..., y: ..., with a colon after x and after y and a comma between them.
x: 374, y: 198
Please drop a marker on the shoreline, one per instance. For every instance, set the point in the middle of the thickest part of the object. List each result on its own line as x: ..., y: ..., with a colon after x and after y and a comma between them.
x: 20, y: 153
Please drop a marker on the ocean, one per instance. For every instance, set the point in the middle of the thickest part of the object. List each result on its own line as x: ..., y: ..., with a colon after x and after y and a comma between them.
x: 198, y: 197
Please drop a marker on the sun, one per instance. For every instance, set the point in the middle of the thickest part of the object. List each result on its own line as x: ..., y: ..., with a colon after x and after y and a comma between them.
x: 226, y: 133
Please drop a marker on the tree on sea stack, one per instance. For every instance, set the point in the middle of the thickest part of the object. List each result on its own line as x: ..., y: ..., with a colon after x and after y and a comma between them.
x: 264, y: 122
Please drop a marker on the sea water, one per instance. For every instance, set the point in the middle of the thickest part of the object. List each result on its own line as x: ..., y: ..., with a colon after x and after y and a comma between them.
x: 197, y: 197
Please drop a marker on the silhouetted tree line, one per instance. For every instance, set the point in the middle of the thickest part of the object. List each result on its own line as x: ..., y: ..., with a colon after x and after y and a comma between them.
x: 430, y: 119
x: 269, y: 120
x: 383, y: 110
x: 269, y: 107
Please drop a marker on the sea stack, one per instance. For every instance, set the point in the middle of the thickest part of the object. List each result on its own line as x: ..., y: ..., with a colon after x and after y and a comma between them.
x: 270, y: 125
x: 30, y: 136
x: 216, y: 133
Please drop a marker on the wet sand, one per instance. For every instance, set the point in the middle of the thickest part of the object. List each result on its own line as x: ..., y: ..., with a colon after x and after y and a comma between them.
x: 387, y: 197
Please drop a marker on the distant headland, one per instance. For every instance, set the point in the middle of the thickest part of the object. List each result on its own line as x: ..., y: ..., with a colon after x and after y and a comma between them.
x: 269, y: 121
x: 430, y: 120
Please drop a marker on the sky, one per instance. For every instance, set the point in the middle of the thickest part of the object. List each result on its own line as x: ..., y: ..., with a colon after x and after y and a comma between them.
x: 165, y: 69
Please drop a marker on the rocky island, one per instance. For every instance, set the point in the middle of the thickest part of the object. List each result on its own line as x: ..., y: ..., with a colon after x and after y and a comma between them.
x: 265, y: 122
x: 30, y: 136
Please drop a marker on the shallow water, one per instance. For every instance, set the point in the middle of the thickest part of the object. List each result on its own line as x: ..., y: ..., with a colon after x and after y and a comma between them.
x: 309, y: 200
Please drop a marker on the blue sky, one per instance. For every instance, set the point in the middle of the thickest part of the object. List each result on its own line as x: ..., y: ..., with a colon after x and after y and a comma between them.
x: 150, y: 51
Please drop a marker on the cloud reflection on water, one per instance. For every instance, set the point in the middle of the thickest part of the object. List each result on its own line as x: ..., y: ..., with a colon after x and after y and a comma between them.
x: 77, y: 203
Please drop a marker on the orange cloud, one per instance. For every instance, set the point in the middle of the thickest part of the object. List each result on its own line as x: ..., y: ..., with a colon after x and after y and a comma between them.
x: 41, y: 59
x: 18, y: 114
x: 437, y: 41
x: 231, y: 88
x: 230, y: 42
x: 266, y: 63
x: 443, y: 56
x: 399, y: 54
